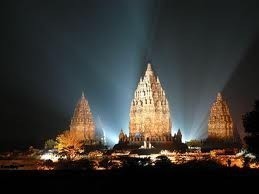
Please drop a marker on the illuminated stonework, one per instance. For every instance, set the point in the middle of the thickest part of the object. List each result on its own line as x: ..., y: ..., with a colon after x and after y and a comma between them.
x: 82, y: 121
x: 220, y: 124
x: 149, y: 113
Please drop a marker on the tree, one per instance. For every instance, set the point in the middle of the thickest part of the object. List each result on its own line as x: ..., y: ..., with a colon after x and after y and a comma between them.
x: 251, y: 125
x: 105, y: 163
x: 69, y: 144
x: 194, y: 143
x: 50, y: 144
x: 163, y: 161
x: 82, y: 164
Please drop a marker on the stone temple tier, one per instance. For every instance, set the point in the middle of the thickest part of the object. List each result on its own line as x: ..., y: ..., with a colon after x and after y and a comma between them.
x: 82, y: 121
x: 220, y: 125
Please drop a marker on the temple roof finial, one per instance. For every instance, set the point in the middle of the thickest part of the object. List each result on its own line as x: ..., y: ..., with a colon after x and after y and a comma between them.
x: 149, y: 70
x: 157, y: 80
x: 219, y: 96
x: 179, y: 132
x: 149, y: 67
x: 83, y: 94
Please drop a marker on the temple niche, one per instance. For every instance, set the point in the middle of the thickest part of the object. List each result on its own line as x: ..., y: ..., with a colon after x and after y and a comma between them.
x: 220, y: 125
x: 82, y: 121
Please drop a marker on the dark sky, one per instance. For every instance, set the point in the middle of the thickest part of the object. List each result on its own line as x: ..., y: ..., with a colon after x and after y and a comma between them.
x: 51, y: 51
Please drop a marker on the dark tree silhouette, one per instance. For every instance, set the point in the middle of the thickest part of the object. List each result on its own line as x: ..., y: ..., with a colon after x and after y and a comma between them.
x: 83, y: 164
x: 251, y: 125
x: 105, y: 163
x: 163, y: 161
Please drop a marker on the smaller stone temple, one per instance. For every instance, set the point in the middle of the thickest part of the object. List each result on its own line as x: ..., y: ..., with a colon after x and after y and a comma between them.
x: 178, y: 136
x: 222, y: 133
x: 220, y: 125
x: 82, y: 121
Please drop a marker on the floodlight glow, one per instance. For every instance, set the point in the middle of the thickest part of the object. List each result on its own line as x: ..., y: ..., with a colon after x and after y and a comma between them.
x: 49, y: 156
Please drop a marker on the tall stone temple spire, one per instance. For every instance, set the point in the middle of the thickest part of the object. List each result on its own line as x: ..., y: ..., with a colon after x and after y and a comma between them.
x: 82, y: 120
x: 149, y: 113
x: 220, y: 125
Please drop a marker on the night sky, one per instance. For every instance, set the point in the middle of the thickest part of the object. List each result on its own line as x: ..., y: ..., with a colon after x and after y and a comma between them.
x: 51, y: 51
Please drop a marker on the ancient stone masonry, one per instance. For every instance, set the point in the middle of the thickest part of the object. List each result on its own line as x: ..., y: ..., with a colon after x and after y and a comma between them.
x: 220, y: 125
x: 82, y: 121
x: 149, y: 113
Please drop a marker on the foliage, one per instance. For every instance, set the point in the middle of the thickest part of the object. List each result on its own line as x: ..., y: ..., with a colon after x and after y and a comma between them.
x: 82, y: 164
x: 68, y: 144
x: 50, y: 144
x: 131, y: 162
x: 208, y: 164
x: 194, y: 143
x: 251, y: 125
x: 163, y: 161
x: 105, y: 163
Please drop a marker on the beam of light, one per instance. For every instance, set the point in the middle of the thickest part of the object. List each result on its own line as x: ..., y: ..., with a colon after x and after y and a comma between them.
x: 198, y: 122
x: 196, y: 105
x: 193, y: 70
x: 111, y: 137
x: 126, y: 67
x: 106, y: 68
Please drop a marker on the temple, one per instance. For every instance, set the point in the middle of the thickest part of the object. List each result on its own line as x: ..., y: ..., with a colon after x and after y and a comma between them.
x: 149, y: 112
x: 82, y: 121
x: 150, y: 119
x: 220, y: 125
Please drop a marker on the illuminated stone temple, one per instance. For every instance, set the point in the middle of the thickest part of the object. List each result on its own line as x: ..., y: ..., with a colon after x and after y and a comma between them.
x: 149, y: 112
x: 220, y: 125
x: 82, y: 121
x: 150, y: 119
